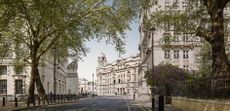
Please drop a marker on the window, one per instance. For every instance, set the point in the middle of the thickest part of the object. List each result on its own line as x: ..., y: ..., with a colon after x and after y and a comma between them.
x: 185, y: 38
x: 119, y: 81
x: 167, y: 54
x: 185, y: 54
x: 3, y: 86
x: 185, y: 4
x: 167, y: 5
x: 167, y: 39
x: 176, y: 38
x: 185, y: 67
x: 176, y: 54
x: 18, y: 86
x: 167, y: 26
x: 3, y: 70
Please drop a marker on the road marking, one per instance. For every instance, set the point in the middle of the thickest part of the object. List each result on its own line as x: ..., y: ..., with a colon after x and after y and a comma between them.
x: 127, y: 103
x: 80, y: 109
x: 128, y: 106
x: 143, y: 109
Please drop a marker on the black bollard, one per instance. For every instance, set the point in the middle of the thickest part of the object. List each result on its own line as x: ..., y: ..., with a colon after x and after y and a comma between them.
x: 61, y: 98
x: 64, y: 98
x: 153, y: 103
x: 58, y: 98
x: 39, y: 101
x: 161, y: 103
x: 54, y: 98
x: 28, y: 102
x: 34, y: 102
x: 16, y: 102
x: 3, y: 101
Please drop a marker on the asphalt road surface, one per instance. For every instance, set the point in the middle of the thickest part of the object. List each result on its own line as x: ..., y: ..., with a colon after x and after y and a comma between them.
x: 99, y: 103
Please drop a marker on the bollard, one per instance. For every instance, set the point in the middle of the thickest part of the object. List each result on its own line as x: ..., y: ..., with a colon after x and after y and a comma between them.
x: 153, y: 103
x: 33, y: 101
x: 28, y: 102
x: 161, y: 103
x: 48, y: 102
x: 3, y: 101
x: 16, y: 102
x: 54, y: 98
x: 61, y: 98
x: 39, y: 101
x: 64, y: 98
x: 58, y: 98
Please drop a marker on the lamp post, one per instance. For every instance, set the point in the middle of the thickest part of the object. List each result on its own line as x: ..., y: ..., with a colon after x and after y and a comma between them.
x: 93, y: 85
x: 54, y: 72
x: 152, y: 29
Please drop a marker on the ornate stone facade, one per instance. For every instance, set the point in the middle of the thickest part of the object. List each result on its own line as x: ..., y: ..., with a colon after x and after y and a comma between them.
x: 165, y: 45
x: 118, y: 77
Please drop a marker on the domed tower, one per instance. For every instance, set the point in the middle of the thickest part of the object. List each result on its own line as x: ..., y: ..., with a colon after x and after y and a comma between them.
x: 101, y: 60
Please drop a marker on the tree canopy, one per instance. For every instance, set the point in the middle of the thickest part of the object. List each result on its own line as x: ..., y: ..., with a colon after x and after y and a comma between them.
x: 31, y: 28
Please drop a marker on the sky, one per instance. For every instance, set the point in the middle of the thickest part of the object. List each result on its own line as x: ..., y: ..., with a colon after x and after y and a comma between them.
x: 87, y: 66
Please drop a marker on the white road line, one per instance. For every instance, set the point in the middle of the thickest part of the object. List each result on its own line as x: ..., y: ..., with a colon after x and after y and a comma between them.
x: 143, y: 109
x: 128, y: 106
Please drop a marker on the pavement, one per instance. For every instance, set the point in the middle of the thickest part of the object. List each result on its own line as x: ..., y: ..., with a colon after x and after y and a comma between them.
x: 147, y: 105
x: 10, y: 105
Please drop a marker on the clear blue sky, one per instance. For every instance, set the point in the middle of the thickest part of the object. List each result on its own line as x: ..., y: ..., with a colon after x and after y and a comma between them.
x: 87, y: 67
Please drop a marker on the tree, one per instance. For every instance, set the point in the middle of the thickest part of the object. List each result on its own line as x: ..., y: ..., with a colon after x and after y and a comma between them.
x: 166, y: 77
x: 205, y: 19
x: 37, y: 26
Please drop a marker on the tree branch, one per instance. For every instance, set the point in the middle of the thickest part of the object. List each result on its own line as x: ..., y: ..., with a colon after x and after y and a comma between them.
x: 205, y: 3
x: 71, y: 20
x: 27, y: 17
x: 201, y: 32
x: 49, y: 46
x: 19, y: 37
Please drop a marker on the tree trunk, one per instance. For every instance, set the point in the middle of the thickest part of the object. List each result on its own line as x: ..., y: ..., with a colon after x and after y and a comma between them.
x: 220, y: 62
x: 31, y: 97
x: 35, y: 77
x: 40, y: 88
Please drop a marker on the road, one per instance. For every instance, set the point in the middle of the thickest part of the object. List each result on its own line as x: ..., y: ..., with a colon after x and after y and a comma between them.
x: 99, y: 103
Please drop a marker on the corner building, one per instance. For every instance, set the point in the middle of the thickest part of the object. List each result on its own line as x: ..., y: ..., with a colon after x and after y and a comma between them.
x: 118, y: 77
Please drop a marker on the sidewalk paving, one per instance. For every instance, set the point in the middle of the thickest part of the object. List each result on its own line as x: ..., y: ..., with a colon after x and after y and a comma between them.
x: 147, y: 104
x: 10, y: 106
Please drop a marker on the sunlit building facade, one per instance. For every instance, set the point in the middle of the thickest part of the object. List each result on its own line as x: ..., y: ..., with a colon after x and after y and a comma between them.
x: 118, y: 77
x: 165, y: 45
x: 14, y: 80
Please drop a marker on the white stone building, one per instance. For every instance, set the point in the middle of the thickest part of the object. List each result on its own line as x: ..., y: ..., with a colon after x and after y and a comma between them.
x: 15, y: 82
x: 158, y: 45
x: 118, y: 77
x: 72, y: 81
x: 87, y: 87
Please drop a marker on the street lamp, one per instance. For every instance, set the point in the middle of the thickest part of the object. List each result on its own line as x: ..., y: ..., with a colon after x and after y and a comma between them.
x: 152, y: 29
x: 54, y: 72
x: 93, y: 85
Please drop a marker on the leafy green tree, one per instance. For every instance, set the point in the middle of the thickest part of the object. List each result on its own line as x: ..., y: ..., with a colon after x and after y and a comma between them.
x: 166, y: 77
x: 41, y: 25
x: 205, y: 19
